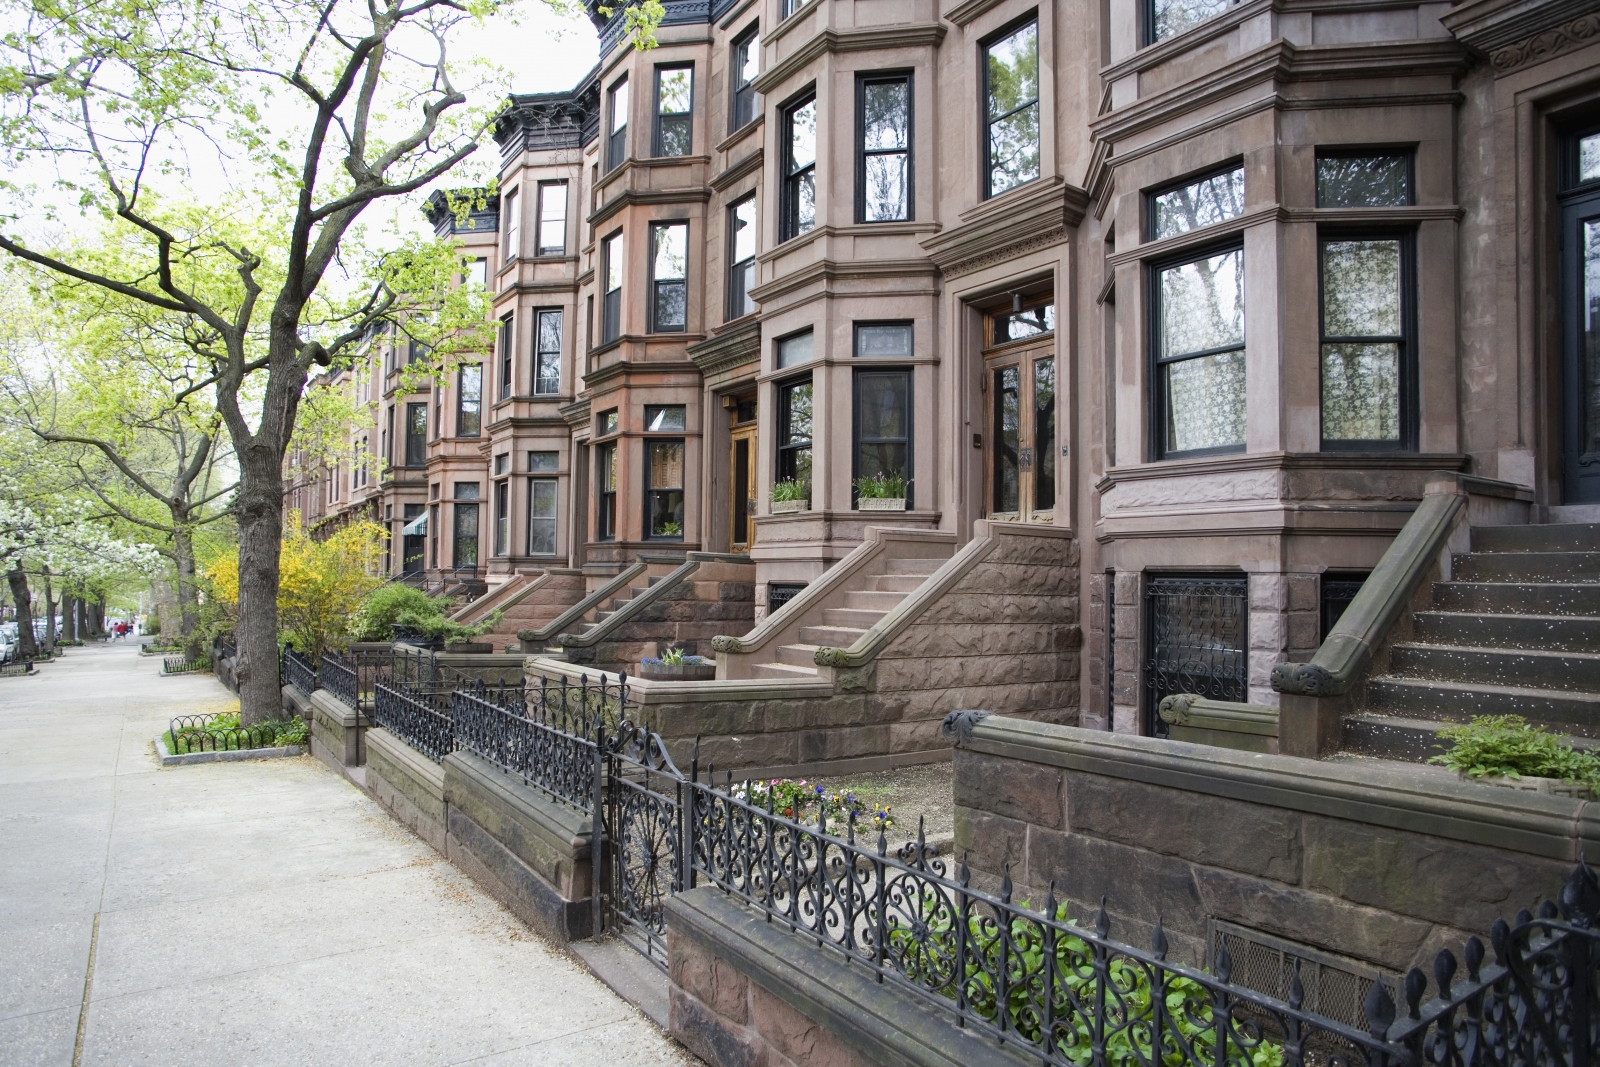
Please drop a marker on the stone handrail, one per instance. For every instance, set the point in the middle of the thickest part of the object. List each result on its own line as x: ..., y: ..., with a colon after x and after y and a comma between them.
x: 507, y: 595
x: 1224, y: 723
x: 583, y: 607
x: 611, y: 623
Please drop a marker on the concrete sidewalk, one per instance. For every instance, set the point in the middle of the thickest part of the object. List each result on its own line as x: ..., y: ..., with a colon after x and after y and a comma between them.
x: 253, y: 913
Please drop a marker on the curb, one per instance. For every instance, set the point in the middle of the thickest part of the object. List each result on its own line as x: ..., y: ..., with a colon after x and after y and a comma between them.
x: 169, y: 760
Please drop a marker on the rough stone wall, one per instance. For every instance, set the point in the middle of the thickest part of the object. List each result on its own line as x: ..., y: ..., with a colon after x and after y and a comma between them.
x: 1389, y: 897
x: 741, y: 733
x: 1285, y: 625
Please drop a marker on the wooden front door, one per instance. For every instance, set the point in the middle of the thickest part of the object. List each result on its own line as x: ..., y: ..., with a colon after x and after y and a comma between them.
x: 1580, y: 326
x: 742, y: 488
x: 1020, y: 445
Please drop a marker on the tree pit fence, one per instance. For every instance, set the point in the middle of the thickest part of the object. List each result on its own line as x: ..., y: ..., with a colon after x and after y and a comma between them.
x: 184, y: 665
x: 1066, y: 993
x: 200, y: 733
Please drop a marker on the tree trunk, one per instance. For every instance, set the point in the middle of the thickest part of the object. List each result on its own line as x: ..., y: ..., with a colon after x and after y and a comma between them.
x: 259, y: 512
x: 69, y: 618
x: 97, y: 618
x: 26, y: 646
x: 188, y: 600
x: 50, y: 634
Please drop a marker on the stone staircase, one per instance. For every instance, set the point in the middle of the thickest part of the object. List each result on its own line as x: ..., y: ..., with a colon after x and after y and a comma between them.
x: 531, y: 602
x: 841, y: 627
x: 1515, y: 631
x: 701, y: 601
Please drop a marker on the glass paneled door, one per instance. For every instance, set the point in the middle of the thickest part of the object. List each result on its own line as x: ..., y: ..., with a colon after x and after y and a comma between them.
x: 742, y: 505
x: 1580, y: 327
x: 1020, y: 446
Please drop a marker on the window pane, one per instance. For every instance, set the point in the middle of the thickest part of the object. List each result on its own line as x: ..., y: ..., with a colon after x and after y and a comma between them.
x: 1030, y: 323
x: 1014, y: 150
x: 619, y: 107
x: 881, y: 459
x: 1361, y: 289
x: 541, y: 517
x: 1044, y: 434
x: 1589, y: 324
x: 672, y: 305
x: 666, y: 464
x: 1007, y: 437
x: 1202, y: 305
x: 893, y: 339
x: 1361, y: 392
x: 614, y: 263
x: 677, y: 135
x: 544, y: 461
x: 608, y: 469
x: 1205, y: 402
x: 666, y: 513
x: 608, y: 422
x: 748, y: 60
x: 550, y: 331
x: 671, y: 252
x: 466, y: 490
x: 806, y: 202
x: 1363, y: 181
x: 1205, y: 203
x: 803, y: 136
x: 744, y: 230
x: 885, y: 194
x: 553, y: 219
x: 797, y: 424
x: 1014, y: 71
x: 792, y: 351
x: 883, y: 411
x: 886, y: 109
x: 1175, y: 16
x: 676, y: 91
x: 663, y: 418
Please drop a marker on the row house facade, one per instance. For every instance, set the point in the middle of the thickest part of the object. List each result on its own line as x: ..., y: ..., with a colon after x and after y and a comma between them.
x: 1213, y: 286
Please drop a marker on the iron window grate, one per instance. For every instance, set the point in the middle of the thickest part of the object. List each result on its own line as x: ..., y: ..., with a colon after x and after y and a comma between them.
x: 1334, y: 987
x: 1196, y: 630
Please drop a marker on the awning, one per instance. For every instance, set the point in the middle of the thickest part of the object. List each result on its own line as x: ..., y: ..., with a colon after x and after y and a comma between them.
x: 417, y: 527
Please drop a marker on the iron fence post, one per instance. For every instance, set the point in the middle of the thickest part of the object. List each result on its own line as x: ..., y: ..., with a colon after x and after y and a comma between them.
x: 597, y: 836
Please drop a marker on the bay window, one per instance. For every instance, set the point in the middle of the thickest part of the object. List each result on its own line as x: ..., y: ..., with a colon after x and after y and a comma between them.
x: 883, y: 149
x: 547, y: 353
x: 611, y: 300
x: 741, y: 257
x: 469, y: 400
x: 881, y: 431
x: 1199, y: 355
x: 617, y: 131
x: 669, y: 269
x: 799, y: 194
x: 552, y: 236
x: 541, y: 516
x: 663, y: 489
x: 674, y: 133
x: 794, y: 432
x: 1366, y: 345
x: 746, y: 64
x: 606, y: 485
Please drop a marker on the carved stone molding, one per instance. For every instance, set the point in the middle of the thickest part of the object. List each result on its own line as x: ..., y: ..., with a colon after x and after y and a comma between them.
x: 1583, y: 30
x: 1012, y: 251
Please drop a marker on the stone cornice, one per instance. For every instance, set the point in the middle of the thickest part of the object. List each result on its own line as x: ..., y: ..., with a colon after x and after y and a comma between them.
x: 728, y: 350
x: 1490, y: 26
x: 826, y: 270
x: 748, y: 165
x: 964, y: 13
x: 624, y: 368
x: 650, y: 197
x: 1581, y: 31
x: 576, y: 413
x: 1019, y: 221
x: 910, y: 35
x: 1244, y: 461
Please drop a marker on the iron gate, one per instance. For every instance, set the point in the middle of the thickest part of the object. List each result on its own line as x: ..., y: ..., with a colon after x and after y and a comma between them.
x: 639, y: 828
x: 1196, y: 629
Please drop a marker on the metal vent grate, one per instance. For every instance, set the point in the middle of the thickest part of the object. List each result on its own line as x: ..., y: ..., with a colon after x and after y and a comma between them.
x: 1334, y: 987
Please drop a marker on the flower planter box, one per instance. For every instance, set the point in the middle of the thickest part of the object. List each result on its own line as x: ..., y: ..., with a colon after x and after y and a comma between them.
x: 1552, y: 787
x: 677, y: 672
x: 789, y: 507
x: 881, y: 503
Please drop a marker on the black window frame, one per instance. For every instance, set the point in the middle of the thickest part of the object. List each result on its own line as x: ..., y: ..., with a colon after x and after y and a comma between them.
x: 554, y: 518
x: 605, y: 499
x: 858, y: 375
x: 1147, y: 19
x: 511, y: 223
x: 984, y: 45
x: 508, y: 347
x: 1366, y: 151
x: 460, y: 507
x: 790, y: 8
x: 541, y: 246
x: 786, y: 465
x: 860, y: 324
x: 617, y: 137
x: 540, y: 353
x: 738, y: 286
x: 1154, y: 362
x: 502, y: 518
x: 462, y: 413
x: 1409, y: 371
x: 416, y: 443
x: 611, y: 299
x: 650, y: 491
x: 655, y: 284
x: 863, y: 80
x: 1226, y: 167
x: 742, y: 93
x: 656, y: 115
x: 792, y: 178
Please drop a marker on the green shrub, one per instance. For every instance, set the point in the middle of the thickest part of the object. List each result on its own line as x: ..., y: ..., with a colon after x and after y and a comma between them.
x: 1509, y: 746
x: 222, y: 732
x: 435, y: 627
x: 882, y: 486
x: 790, y: 489
x: 374, y: 620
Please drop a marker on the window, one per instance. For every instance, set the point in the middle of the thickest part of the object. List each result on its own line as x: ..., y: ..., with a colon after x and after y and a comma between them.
x: 1199, y: 355
x: 794, y: 349
x: 544, y: 461
x: 1196, y: 205
x: 606, y: 459
x: 416, y: 435
x: 509, y: 222
x: 477, y: 273
x: 607, y: 423
x: 741, y: 257
x: 552, y: 236
x: 1020, y: 325
x: 665, y: 418
x: 789, y: 7
x: 669, y: 268
x: 876, y: 340
x: 1168, y: 18
x: 508, y: 344
x: 547, y: 354
x: 465, y: 547
x: 502, y: 463
x: 1024, y: 428
x: 611, y: 301
x: 746, y: 62
x: 674, y: 111
x: 502, y: 516
x: 1366, y: 351
x: 794, y: 432
x: 1197, y: 633
x: 663, y: 489
x: 433, y: 538
x: 883, y: 149
x: 799, y: 168
x: 1363, y: 180
x: 1011, y: 108
x: 882, y: 438
x: 416, y: 351
x: 469, y: 400
x: 388, y: 436
x: 412, y: 535
x: 542, y: 516
x: 617, y: 139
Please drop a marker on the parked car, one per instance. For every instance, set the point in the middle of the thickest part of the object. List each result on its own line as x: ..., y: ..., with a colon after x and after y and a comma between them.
x: 8, y: 648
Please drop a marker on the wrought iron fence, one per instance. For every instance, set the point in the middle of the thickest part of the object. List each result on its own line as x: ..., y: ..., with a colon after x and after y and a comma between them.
x: 1197, y: 641
x: 1068, y: 994
x: 299, y: 672
x: 340, y: 678
x: 199, y: 733
x: 184, y: 665
x: 419, y: 715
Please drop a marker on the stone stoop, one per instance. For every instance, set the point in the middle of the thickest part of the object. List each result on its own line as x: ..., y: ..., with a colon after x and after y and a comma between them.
x: 537, y: 602
x: 715, y: 597
x: 1515, y: 630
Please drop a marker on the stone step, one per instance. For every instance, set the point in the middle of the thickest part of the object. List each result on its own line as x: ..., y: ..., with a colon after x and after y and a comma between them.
x: 783, y: 670
x: 895, y: 583
x: 1523, y: 668
x: 861, y: 618
x: 1413, y: 740
x: 872, y: 600
x: 832, y: 636
x: 1568, y: 633
x: 1545, y: 537
x: 602, y: 616
x: 798, y: 655
x: 1527, y: 567
x: 922, y: 567
x: 1573, y: 713
x: 1518, y: 598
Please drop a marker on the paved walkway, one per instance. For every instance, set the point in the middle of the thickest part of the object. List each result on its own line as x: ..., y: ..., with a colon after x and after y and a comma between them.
x: 249, y: 913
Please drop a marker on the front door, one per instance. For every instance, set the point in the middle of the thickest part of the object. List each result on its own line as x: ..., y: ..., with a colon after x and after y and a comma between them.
x: 1020, y: 447
x: 1580, y: 327
x: 742, y: 488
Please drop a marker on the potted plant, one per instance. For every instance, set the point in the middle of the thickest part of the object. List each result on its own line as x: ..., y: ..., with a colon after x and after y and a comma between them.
x: 881, y: 492
x: 1508, y: 751
x: 789, y: 496
x: 675, y: 665
x: 440, y: 632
